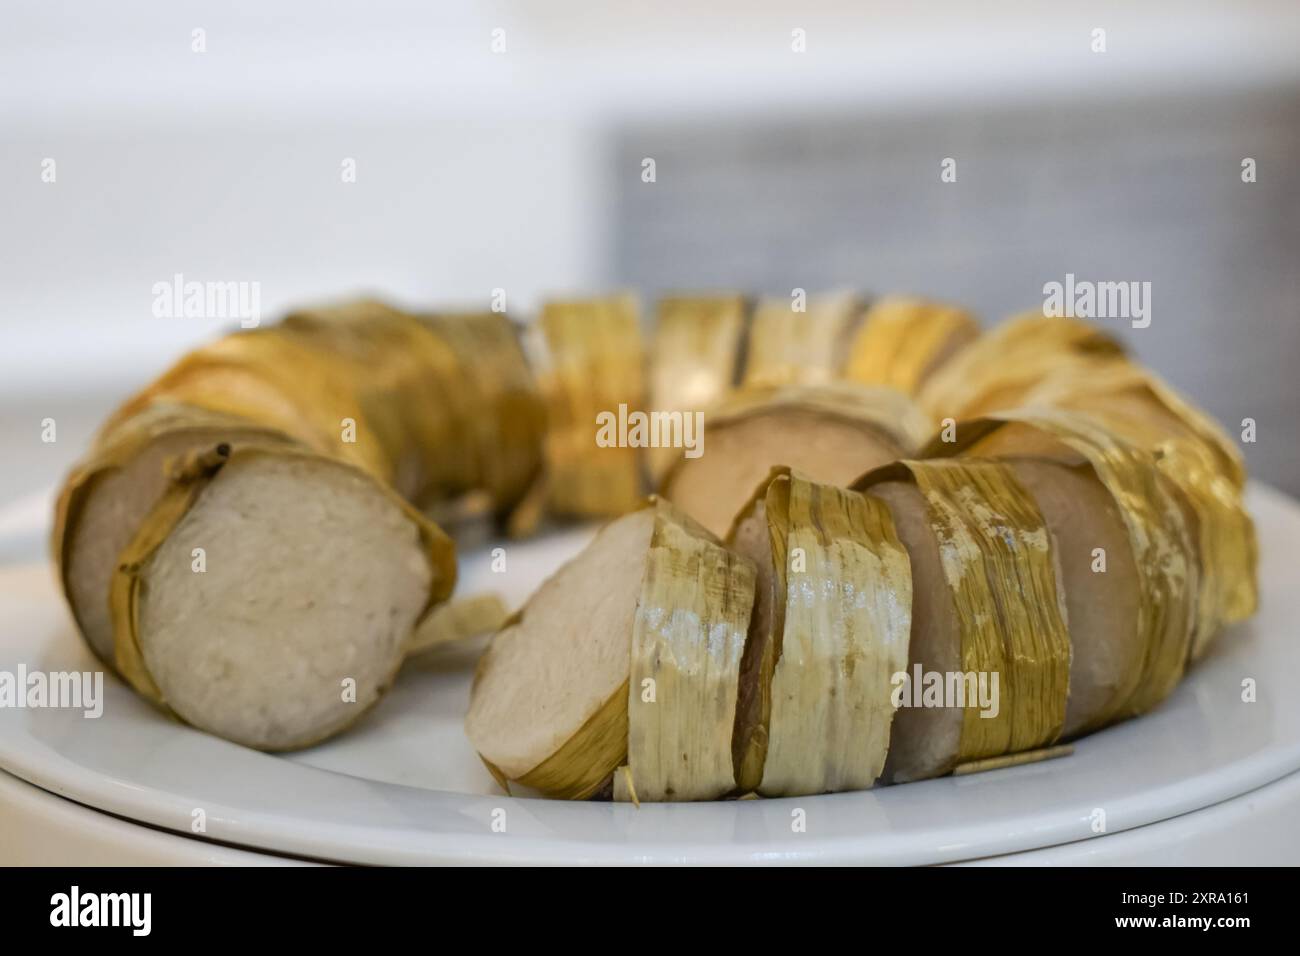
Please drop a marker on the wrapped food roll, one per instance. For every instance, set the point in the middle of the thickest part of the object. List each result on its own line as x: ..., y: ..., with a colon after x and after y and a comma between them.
x: 593, y: 365
x: 497, y: 402
x: 697, y: 346
x: 989, y: 650
x: 1003, y: 365
x: 830, y: 629
x: 240, y: 529
x: 1224, y: 536
x: 904, y: 341
x: 1160, y: 531
x: 629, y: 655
x: 1197, y: 456
x: 405, y: 398
x: 788, y: 347
x: 1138, y: 405
x: 1099, y: 577
x: 830, y: 433
x: 687, y: 645
x: 266, y: 384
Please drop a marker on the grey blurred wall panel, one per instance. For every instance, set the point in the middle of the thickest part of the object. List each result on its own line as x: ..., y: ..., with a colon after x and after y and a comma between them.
x: 1144, y: 189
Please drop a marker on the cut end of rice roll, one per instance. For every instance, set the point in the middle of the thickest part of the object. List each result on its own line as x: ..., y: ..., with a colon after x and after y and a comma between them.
x: 115, y: 487
x: 831, y: 434
x: 549, y: 703
x: 270, y: 594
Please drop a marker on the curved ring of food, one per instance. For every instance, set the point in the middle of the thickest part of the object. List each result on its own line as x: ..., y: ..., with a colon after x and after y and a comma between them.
x: 906, y: 549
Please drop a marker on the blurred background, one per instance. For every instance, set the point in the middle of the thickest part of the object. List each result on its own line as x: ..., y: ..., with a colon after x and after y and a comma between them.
x: 502, y: 145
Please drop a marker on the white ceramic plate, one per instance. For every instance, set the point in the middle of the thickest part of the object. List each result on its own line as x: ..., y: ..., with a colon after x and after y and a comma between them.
x: 405, y: 787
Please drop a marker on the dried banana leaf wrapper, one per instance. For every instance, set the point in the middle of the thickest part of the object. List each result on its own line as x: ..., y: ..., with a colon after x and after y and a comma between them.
x: 395, y: 374
x: 303, y: 376
x: 506, y: 415
x: 697, y: 346
x: 1001, y: 367
x: 1163, y: 546
x: 594, y: 364
x: 799, y: 348
x: 902, y: 342
x: 1224, y: 534
x: 687, y: 643
x: 1140, y: 406
x: 840, y: 625
x: 434, y: 407
x: 581, y: 768
x: 458, y: 620
x: 997, y: 561
x: 188, y: 480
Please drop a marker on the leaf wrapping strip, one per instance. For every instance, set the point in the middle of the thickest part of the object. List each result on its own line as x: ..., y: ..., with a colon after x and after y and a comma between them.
x: 843, y: 635
x: 595, y: 360
x: 1002, y: 366
x: 799, y: 348
x: 902, y: 342
x: 996, y: 558
x: 697, y: 345
x: 1196, y: 455
x: 687, y: 642
x: 1162, y: 546
x: 583, y: 764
